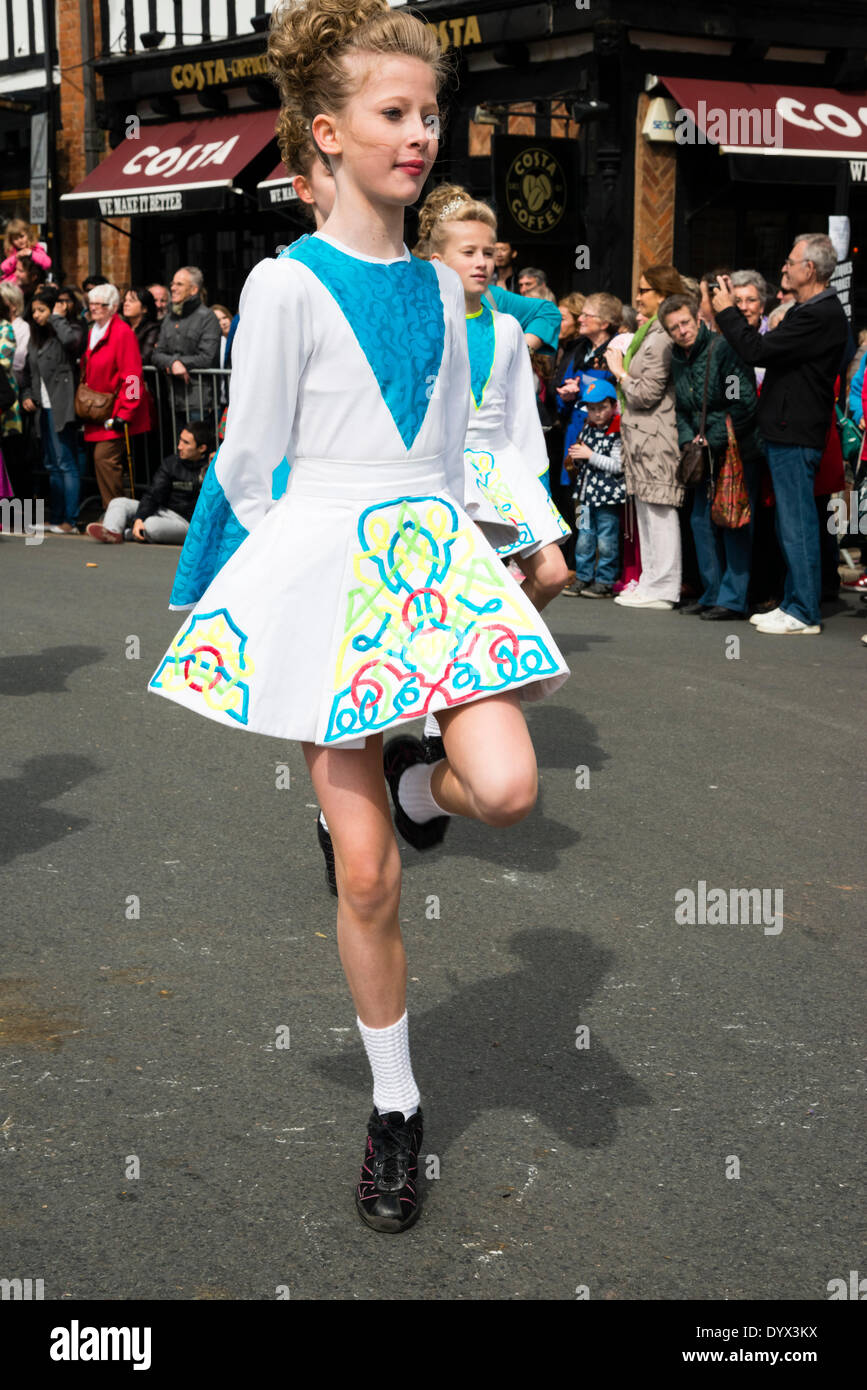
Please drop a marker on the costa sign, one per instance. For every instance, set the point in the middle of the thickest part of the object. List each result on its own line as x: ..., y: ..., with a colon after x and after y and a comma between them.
x: 824, y: 115
x: 154, y: 162
x: 767, y: 119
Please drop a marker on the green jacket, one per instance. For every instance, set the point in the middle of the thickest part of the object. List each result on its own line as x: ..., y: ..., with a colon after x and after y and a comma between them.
x: 731, y: 391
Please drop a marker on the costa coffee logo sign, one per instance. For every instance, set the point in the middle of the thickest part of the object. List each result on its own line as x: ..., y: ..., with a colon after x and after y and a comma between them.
x: 156, y: 163
x: 536, y: 190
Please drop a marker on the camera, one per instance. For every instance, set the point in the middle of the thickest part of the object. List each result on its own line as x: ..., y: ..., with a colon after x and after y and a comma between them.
x: 712, y: 285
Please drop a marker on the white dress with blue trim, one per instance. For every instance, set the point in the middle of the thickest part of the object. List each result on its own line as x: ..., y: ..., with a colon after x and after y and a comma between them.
x: 505, y: 449
x: 364, y: 596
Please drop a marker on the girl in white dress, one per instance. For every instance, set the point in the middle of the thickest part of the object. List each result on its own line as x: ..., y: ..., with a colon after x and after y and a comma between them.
x: 505, y: 446
x: 365, y: 596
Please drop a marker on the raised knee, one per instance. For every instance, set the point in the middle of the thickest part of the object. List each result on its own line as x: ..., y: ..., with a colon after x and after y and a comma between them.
x: 507, y: 800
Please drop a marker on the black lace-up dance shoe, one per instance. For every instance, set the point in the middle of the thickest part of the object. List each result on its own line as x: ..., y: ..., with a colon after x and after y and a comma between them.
x: 328, y: 851
x: 387, y: 1191
x: 397, y: 755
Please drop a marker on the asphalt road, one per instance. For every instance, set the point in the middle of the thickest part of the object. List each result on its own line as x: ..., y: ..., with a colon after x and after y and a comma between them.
x: 609, y: 1166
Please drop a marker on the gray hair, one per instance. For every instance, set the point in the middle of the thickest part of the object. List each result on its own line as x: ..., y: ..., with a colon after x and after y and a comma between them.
x: 819, y: 249
x: 535, y: 273
x: 777, y: 315
x: 13, y: 297
x: 675, y: 302
x: 110, y: 293
x: 195, y: 275
x: 750, y: 277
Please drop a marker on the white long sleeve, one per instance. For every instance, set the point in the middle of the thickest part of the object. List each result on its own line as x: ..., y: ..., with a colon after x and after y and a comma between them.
x: 272, y: 343
x: 522, y: 415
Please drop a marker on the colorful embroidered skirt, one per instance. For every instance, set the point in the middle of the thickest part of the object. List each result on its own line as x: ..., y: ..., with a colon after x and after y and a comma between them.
x: 364, y: 599
x: 518, y: 496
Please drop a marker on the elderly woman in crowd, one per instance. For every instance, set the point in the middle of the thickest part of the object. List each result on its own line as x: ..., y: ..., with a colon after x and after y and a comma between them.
x: 751, y: 293
x: 111, y: 363
x: 598, y: 323
x: 723, y: 553
x: 650, y: 449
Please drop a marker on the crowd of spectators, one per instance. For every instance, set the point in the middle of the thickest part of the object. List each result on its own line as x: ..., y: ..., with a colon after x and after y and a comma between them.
x: 155, y: 362
x: 743, y: 380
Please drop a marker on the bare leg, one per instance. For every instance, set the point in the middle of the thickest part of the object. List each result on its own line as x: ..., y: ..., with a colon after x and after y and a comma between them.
x: 546, y: 573
x: 489, y: 773
x: 351, y: 789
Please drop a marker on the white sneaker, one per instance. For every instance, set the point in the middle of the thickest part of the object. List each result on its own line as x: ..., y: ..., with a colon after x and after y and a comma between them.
x: 785, y: 625
x: 760, y: 617
x: 636, y: 601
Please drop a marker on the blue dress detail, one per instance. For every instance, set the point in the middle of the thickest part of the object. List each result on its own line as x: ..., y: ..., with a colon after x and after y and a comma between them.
x: 213, y: 537
x: 396, y: 314
x: 280, y: 479
x: 481, y: 341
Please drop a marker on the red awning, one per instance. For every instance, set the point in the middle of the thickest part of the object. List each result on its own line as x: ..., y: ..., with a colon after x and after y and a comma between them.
x: 277, y: 188
x: 172, y: 168
x: 748, y: 118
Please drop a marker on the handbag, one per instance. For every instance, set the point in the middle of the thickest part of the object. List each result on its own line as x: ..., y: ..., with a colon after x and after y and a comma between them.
x: 95, y: 406
x: 694, y: 463
x: 731, y: 501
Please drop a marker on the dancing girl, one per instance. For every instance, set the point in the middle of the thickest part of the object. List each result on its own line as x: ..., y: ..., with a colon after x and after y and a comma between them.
x: 365, y: 596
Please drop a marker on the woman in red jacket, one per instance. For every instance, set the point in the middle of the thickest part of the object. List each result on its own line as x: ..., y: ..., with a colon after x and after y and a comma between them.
x: 111, y: 362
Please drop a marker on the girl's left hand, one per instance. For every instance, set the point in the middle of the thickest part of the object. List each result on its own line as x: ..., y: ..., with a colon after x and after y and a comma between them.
x: 614, y: 359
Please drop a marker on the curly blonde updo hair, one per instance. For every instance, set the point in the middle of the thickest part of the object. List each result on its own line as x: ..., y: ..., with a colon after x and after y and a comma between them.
x: 307, y: 43
x: 445, y: 205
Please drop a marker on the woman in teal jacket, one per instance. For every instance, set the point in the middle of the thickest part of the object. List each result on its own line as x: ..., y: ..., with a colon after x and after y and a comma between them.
x: 723, y: 553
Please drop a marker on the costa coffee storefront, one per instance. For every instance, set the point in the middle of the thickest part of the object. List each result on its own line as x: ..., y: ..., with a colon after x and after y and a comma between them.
x: 759, y: 163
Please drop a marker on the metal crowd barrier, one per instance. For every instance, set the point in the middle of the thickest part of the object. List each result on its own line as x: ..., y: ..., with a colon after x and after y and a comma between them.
x: 203, y: 398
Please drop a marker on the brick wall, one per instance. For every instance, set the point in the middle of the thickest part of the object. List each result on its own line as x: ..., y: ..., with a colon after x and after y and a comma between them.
x: 653, y: 209
x: 71, y: 166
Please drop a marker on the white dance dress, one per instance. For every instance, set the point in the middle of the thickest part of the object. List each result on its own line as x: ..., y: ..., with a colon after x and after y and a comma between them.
x: 365, y: 596
x: 505, y: 448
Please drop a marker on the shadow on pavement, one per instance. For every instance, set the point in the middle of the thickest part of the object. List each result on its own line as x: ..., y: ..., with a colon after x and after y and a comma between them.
x: 516, y: 1036
x: 44, y: 671
x: 28, y: 825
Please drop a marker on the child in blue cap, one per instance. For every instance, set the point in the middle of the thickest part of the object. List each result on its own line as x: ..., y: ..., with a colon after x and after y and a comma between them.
x: 595, y: 464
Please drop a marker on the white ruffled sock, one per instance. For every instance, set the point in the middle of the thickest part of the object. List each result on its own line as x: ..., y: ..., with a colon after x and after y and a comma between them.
x: 323, y: 821
x: 387, y: 1051
x: 431, y: 727
x: 415, y: 795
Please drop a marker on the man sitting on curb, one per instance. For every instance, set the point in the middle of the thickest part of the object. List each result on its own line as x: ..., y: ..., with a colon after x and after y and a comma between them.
x: 164, y: 513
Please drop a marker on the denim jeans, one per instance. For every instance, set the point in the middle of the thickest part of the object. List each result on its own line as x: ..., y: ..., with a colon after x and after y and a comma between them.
x: 793, y: 471
x: 598, y: 531
x: 59, y: 454
x: 724, y: 555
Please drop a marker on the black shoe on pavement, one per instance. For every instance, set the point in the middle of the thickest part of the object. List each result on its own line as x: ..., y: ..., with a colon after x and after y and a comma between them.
x: 397, y: 755
x: 387, y: 1193
x: 596, y: 590
x: 719, y: 615
x: 328, y: 851
x: 576, y: 587
x: 693, y: 607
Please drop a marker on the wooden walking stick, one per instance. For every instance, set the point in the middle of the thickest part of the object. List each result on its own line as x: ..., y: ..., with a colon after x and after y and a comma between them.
x: 128, y: 459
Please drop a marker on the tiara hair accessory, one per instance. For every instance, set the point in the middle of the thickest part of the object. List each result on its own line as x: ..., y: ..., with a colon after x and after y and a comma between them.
x: 452, y: 207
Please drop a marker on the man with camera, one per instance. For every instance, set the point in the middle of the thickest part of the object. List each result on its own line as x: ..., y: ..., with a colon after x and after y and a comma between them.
x: 803, y: 358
